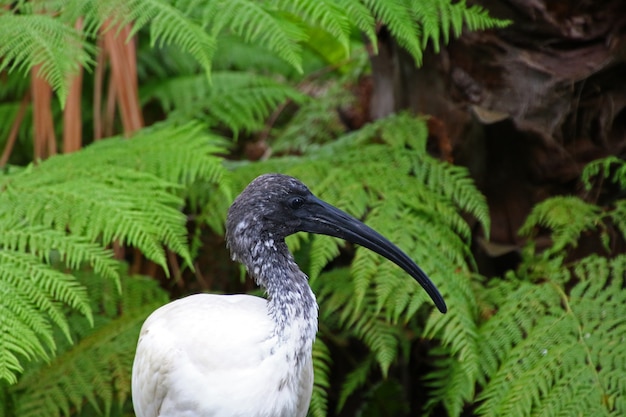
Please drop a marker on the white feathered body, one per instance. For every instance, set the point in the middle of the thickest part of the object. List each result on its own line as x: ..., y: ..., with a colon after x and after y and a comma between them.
x: 221, y: 356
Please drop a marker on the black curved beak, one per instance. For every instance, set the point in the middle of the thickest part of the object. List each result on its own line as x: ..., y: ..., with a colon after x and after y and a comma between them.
x: 326, y: 219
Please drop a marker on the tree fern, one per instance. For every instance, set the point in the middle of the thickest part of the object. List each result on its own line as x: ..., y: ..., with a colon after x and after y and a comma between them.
x: 255, y: 22
x: 329, y: 15
x: 48, y: 36
x: 66, y: 209
x: 611, y: 168
x: 238, y: 100
x: 321, y: 361
x: 440, y: 18
x: 560, y: 353
x: 167, y: 24
x: 555, y: 343
x: 567, y: 217
x: 96, y: 371
x: 30, y: 40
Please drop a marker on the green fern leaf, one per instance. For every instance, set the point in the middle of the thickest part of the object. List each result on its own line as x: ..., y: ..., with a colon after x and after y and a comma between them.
x: 37, y: 292
x: 559, y: 352
x: 255, y: 22
x: 397, y: 16
x: 604, y: 168
x: 95, y: 371
x: 30, y: 40
x: 354, y: 380
x: 239, y: 100
x: 439, y: 18
x: 450, y: 383
x: 168, y: 25
x: 322, y: 361
x: 566, y: 217
x: 325, y: 14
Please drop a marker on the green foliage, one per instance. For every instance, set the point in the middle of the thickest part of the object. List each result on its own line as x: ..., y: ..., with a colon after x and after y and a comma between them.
x: 439, y: 18
x: 30, y: 40
x: 321, y: 361
x: 94, y: 374
x: 68, y: 209
x: 610, y: 168
x: 566, y: 217
x: 547, y: 340
x: 562, y: 348
x: 237, y: 100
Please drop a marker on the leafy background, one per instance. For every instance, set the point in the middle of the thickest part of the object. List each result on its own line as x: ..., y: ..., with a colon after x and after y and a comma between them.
x: 129, y: 127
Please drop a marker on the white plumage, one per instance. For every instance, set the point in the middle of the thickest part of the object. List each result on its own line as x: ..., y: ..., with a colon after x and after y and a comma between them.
x: 218, y: 356
x: 240, y: 355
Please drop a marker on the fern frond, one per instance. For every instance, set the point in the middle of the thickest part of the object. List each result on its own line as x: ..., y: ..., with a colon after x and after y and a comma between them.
x: 49, y: 245
x: 323, y: 250
x: 328, y: 15
x: 322, y: 361
x: 95, y: 371
x: 451, y: 384
x: 440, y: 18
x: 257, y: 23
x: 558, y: 353
x: 414, y: 23
x: 364, y: 322
x: 37, y: 293
x: 459, y: 333
x: 361, y: 17
x: 238, y: 100
x: 397, y: 16
x: 109, y: 208
x: 68, y: 208
x: 618, y: 217
x: 453, y: 182
x: 611, y: 168
x: 168, y: 25
x: 176, y: 153
x: 355, y: 380
x: 30, y: 40
x: 566, y: 217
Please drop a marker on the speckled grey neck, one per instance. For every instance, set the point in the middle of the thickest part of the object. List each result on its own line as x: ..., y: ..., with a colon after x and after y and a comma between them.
x: 272, y: 266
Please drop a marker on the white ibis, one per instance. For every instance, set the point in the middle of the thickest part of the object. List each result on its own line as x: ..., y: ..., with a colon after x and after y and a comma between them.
x: 244, y: 356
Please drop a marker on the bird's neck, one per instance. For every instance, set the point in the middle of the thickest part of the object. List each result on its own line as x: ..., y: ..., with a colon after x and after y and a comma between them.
x: 291, y: 303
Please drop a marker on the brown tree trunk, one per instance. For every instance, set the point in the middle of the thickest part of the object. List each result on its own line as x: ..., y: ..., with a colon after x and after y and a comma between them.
x: 524, y: 107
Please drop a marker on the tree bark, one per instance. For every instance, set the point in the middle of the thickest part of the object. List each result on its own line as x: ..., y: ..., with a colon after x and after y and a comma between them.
x: 525, y: 107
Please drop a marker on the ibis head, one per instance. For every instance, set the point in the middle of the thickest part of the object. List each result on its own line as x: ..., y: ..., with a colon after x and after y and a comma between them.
x: 275, y: 206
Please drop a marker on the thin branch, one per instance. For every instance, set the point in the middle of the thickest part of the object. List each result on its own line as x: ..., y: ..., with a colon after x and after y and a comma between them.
x: 98, y: 116
x: 19, y: 117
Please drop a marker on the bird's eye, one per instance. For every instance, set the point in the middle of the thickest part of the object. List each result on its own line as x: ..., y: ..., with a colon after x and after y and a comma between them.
x: 296, y: 202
